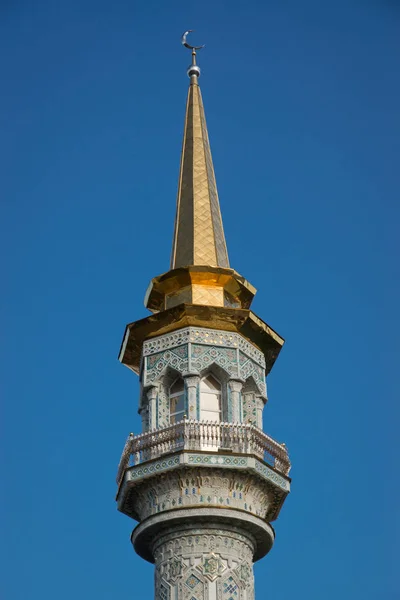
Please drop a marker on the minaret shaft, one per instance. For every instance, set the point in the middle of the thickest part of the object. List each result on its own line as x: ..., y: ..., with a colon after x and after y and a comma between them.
x: 199, y: 236
x: 210, y: 561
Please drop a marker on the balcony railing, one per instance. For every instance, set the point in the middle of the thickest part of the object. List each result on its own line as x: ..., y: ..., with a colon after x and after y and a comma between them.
x: 203, y: 435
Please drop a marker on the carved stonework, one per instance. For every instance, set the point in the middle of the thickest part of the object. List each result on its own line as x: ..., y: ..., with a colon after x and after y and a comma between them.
x: 204, y: 564
x: 175, y: 568
x: 203, y: 487
x: 212, y: 566
x: 249, y: 408
x: 196, y: 349
x: 200, y: 335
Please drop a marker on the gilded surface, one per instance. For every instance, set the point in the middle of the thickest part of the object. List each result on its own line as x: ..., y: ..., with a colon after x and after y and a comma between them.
x: 199, y: 237
x: 208, y: 295
x: 226, y: 319
x: 199, y: 285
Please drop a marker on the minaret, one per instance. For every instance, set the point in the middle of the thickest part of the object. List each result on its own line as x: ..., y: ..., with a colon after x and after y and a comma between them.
x: 202, y: 479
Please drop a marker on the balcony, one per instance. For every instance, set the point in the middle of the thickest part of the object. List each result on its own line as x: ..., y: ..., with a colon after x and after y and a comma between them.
x: 238, y: 438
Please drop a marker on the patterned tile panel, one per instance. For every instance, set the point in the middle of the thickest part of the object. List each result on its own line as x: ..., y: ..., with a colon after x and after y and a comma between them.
x: 218, y: 460
x: 230, y: 589
x: 202, y: 335
x: 249, y: 368
x: 203, y: 356
x: 272, y: 476
x: 176, y: 357
x: 192, y: 581
x: 163, y: 342
x: 158, y: 466
x: 210, y: 460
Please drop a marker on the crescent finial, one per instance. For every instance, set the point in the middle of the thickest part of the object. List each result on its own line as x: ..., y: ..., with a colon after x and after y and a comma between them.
x: 184, y: 42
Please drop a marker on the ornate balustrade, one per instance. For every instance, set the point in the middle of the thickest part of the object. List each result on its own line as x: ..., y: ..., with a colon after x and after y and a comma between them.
x: 203, y: 435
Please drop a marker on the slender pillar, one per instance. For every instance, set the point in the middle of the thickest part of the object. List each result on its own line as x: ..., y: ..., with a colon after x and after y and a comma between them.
x: 192, y: 382
x: 152, y: 402
x: 235, y: 388
x: 144, y: 415
x: 259, y: 408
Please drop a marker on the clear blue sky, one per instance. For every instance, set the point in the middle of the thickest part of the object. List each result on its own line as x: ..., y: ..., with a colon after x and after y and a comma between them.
x: 302, y: 101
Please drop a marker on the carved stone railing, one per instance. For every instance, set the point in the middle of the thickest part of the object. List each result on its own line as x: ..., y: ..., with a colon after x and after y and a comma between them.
x: 206, y: 436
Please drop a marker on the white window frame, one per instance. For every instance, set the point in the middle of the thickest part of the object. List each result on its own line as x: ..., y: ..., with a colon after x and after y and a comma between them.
x: 213, y: 393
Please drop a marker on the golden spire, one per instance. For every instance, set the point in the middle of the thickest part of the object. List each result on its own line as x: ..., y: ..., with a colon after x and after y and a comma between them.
x: 199, y: 235
x: 200, y: 274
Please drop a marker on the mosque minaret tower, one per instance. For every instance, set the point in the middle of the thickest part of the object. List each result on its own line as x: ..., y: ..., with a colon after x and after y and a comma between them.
x: 203, y: 480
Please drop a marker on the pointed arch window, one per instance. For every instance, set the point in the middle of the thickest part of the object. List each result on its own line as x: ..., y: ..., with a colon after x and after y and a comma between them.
x: 176, y: 401
x: 210, y: 399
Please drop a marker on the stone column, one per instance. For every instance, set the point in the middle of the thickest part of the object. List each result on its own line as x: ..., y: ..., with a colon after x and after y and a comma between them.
x: 144, y: 415
x: 152, y: 393
x: 259, y: 408
x: 234, y: 399
x: 192, y: 381
x: 203, y: 563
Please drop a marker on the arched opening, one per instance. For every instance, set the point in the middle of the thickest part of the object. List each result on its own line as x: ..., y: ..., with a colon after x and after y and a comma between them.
x: 210, y: 399
x: 176, y: 401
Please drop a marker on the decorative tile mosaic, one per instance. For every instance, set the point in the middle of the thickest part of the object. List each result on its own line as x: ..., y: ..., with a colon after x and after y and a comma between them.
x: 203, y: 356
x: 177, y: 358
x: 207, y: 573
x: 211, y: 566
x: 202, y: 335
x: 154, y: 467
x: 217, y: 460
x: 197, y: 349
x: 230, y: 589
x: 192, y: 581
x: 272, y: 476
x: 248, y: 368
x: 212, y: 460
x: 163, y: 342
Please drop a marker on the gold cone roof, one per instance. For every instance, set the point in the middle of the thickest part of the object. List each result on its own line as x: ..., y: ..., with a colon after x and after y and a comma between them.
x: 200, y: 272
x: 199, y: 235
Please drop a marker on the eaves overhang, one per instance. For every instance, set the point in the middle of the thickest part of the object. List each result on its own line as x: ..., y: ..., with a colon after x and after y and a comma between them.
x: 239, y: 320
